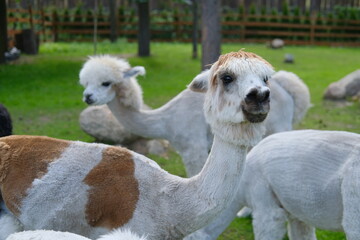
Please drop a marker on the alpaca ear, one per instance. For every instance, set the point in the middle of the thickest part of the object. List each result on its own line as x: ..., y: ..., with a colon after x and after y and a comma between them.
x: 133, y: 72
x: 200, y: 82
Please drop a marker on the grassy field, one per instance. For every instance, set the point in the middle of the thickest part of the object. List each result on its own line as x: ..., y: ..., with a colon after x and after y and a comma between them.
x: 44, y: 98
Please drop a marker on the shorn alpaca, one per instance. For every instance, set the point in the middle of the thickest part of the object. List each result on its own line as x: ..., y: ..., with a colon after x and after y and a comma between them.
x: 109, y: 80
x: 5, y: 122
x: 90, y: 189
x: 125, y: 234
x: 308, y: 178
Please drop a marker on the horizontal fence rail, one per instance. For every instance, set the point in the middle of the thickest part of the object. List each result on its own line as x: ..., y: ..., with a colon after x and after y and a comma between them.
x: 296, y: 30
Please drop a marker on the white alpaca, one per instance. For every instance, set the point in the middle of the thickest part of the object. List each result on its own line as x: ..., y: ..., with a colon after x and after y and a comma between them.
x: 109, y: 80
x: 290, y: 100
x: 53, y: 235
x: 90, y: 189
x: 308, y: 178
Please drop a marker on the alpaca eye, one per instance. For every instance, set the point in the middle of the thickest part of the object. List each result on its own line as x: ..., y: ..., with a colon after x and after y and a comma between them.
x: 106, y: 84
x: 227, y: 79
x: 266, y: 79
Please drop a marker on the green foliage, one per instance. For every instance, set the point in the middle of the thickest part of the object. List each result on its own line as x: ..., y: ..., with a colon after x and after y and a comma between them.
x: 44, y: 98
x: 78, y: 15
x: 285, y: 8
x: 241, y: 11
x: 253, y: 9
x: 89, y: 16
x: 101, y: 14
x: 66, y: 16
x: 121, y: 11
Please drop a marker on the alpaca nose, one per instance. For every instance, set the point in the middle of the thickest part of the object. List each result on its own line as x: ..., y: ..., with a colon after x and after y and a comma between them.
x: 256, y: 95
x: 88, y: 99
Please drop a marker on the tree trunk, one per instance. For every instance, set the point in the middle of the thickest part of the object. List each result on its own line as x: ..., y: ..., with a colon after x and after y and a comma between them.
x: 3, y: 31
x: 301, y: 5
x: 279, y: 5
x: 195, y: 29
x: 315, y: 6
x: 211, y: 32
x: 144, y: 29
x: 113, y: 20
x: 247, y: 6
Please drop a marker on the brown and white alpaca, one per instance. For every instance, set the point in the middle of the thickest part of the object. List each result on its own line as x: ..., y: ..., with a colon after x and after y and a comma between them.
x: 89, y: 188
x: 109, y: 80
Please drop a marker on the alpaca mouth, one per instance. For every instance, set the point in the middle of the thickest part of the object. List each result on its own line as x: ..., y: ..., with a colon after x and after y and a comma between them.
x: 254, y: 118
x: 256, y: 113
x: 89, y: 101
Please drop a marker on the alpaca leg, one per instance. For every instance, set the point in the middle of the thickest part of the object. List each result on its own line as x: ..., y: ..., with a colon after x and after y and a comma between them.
x: 298, y: 230
x: 269, y: 223
x: 269, y: 219
x: 350, y: 196
x: 8, y: 225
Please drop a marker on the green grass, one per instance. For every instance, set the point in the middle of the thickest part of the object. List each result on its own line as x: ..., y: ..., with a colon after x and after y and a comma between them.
x: 44, y: 98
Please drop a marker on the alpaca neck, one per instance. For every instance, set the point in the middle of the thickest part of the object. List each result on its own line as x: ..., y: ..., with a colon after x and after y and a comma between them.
x: 209, y: 192
x: 139, y: 122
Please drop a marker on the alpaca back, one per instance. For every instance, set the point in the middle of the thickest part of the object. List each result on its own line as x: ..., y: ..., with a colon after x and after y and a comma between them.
x: 298, y: 91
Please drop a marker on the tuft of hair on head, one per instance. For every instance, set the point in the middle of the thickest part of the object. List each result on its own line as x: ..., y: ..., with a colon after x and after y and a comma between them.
x: 240, y: 54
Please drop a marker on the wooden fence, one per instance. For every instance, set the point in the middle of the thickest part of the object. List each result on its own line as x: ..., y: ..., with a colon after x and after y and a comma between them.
x: 295, y: 30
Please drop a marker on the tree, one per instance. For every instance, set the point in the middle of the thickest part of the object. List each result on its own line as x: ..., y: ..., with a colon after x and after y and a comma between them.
x: 144, y: 28
x: 195, y: 29
x: 315, y: 6
x: 211, y: 32
x: 113, y: 20
x: 3, y: 31
x: 302, y: 5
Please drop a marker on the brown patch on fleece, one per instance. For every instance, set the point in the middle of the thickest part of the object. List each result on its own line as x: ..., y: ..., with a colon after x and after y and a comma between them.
x: 114, y: 190
x: 26, y: 159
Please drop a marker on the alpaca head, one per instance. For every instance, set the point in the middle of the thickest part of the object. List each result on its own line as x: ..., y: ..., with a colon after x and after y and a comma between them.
x: 237, y: 96
x: 106, y: 77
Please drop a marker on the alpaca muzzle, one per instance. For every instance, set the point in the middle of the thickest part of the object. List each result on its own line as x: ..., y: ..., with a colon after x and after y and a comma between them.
x: 88, y: 99
x: 256, y: 105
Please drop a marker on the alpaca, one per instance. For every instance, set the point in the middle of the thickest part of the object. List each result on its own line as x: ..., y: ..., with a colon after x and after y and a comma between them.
x: 53, y: 235
x: 308, y: 178
x: 5, y: 122
x: 293, y: 100
x: 109, y: 80
x: 91, y: 188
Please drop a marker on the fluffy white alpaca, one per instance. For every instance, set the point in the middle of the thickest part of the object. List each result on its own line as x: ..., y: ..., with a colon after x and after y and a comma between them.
x: 89, y: 189
x: 109, y: 80
x: 290, y: 99
x: 308, y: 178
x: 118, y: 234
